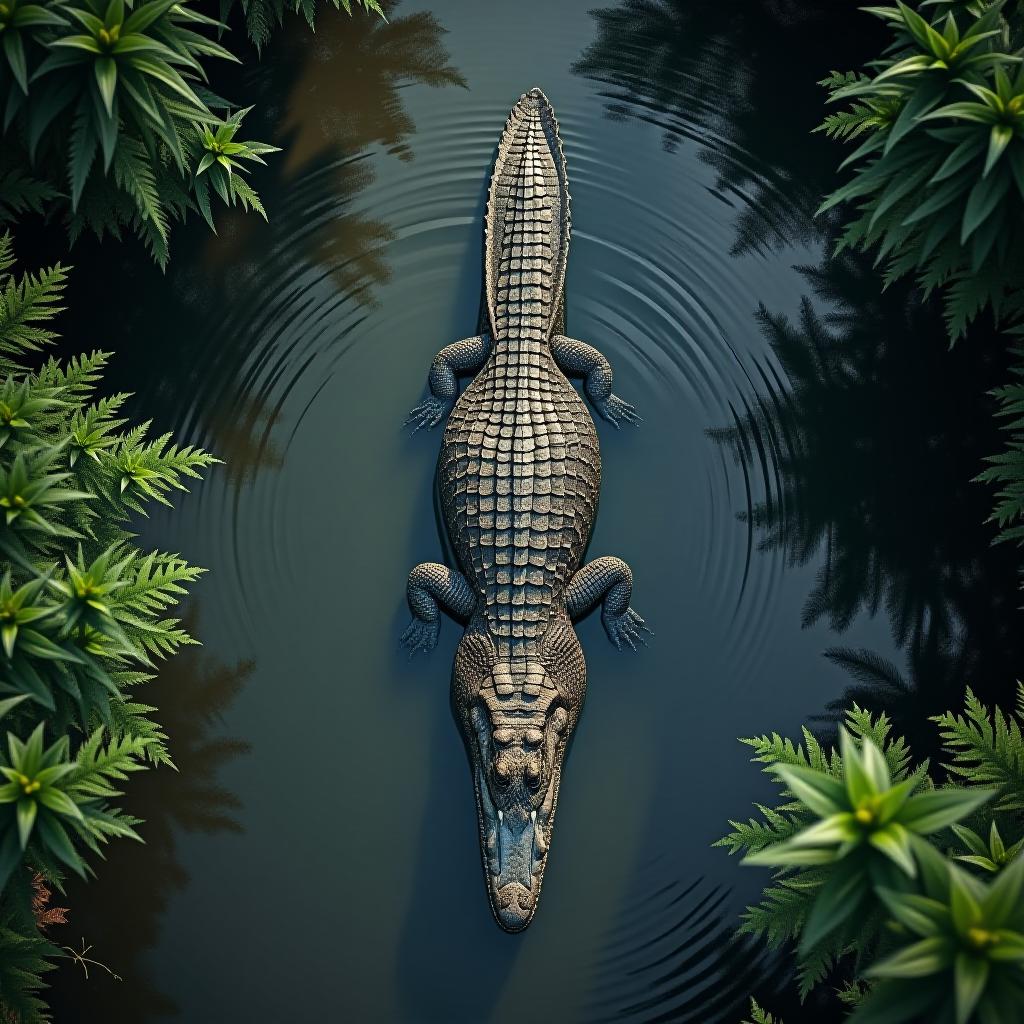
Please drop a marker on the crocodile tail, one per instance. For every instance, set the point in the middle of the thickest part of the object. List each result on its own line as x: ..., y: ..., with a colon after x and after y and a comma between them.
x: 529, y: 175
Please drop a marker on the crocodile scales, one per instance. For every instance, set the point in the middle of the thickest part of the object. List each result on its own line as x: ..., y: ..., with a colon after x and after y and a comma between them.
x: 519, y: 476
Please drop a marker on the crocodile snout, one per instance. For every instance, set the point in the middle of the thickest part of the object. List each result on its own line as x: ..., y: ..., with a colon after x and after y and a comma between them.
x: 514, y: 905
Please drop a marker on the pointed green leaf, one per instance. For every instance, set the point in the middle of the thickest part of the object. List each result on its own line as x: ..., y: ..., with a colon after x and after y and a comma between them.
x: 930, y: 812
x: 970, y: 973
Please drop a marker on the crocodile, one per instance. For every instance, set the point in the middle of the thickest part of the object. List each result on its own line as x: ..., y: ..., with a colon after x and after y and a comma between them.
x: 518, y: 477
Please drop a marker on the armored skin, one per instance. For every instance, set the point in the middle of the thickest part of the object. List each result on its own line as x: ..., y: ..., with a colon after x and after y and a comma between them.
x: 519, y: 476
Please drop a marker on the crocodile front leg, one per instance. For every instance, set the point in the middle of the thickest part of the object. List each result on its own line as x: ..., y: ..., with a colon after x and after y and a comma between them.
x: 433, y: 586
x: 577, y: 358
x: 466, y: 356
x: 609, y: 580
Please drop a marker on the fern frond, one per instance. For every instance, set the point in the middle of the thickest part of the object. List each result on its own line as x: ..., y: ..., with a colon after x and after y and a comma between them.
x: 1007, y: 468
x: 760, y: 1016
x: 26, y: 305
x: 987, y: 748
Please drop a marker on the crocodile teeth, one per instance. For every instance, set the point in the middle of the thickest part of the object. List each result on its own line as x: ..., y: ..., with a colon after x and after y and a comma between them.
x: 540, y: 841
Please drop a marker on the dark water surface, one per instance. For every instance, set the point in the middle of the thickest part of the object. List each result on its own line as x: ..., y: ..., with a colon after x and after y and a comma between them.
x: 795, y: 488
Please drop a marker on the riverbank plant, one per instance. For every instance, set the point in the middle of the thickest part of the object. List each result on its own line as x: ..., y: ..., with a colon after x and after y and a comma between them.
x: 109, y: 120
x: 936, y: 185
x: 85, y: 616
x: 881, y: 883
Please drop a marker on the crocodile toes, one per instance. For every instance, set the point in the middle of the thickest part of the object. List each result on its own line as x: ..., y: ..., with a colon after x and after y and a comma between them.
x: 627, y: 628
x: 616, y: 411
x: 427, y: 414
x: 420, y: 636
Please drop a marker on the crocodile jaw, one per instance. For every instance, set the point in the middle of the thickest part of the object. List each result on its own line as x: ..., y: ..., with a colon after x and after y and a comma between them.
x: 515, y: 853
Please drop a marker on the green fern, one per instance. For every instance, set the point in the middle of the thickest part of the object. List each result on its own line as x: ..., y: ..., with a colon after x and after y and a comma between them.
x: 263, y: 16
x: 987, y: 748
x: 760, y: 1016
x: 20, y: 193
x: 84, y: 613
x: 26, y: 306
x: 781, y: 914
x: 1007, y: 468
x: 24, y: 958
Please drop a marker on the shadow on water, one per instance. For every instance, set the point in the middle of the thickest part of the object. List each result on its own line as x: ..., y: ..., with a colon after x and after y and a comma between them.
x: 876, y: 431
x: 674, y: 958
x: 331, y: 100
x: 119, y: 911
x: 738, y: 78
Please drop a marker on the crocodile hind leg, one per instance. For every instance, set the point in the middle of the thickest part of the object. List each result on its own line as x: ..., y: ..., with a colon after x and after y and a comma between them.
x: 577, y: 358
x: 433, y: 586
x: 609, y: 580
x: 464, y: 356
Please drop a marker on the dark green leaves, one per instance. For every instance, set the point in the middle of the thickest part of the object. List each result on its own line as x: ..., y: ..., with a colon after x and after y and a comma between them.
x: 938, y: 186
x: 855, y: 842
x: 83, y: 611
x: 133, y: 78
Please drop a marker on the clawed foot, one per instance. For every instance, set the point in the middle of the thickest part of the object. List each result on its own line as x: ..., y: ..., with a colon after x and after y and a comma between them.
x: 627, y: 627
x: 421, y: 636
x: 615, y: 411
x: 427, y: 414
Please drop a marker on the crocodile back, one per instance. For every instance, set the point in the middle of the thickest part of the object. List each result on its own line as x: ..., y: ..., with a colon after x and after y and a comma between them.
x: 519, y: 477
x: 527, y: 223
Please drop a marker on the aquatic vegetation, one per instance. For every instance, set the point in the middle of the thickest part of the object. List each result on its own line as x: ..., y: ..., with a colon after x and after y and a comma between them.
x: 868, y: 882
x: 83, y: 612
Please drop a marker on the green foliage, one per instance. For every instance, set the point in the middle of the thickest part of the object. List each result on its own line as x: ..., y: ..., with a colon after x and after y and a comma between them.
x: 263, y: 16
x: 803, y: 894
x: 760, y: 1016
x: 992, y: 855
x: 858, y: 840
x: 938, y: 183
x: 84, y: 612
x: 1007, y: 468
x: 966, y: 948
x: 24, y: 959
x: 105, y: 111
x: 987, y: 748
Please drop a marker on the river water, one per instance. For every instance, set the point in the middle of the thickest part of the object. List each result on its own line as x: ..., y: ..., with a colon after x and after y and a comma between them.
x: 795, y: 506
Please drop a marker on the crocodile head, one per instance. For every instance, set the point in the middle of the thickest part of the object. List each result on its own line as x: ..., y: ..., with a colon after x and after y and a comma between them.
x: 516, y: 723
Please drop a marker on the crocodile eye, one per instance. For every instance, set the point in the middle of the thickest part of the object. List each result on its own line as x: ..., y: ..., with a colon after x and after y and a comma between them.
x: 533, y: 738
x: 504, y: 736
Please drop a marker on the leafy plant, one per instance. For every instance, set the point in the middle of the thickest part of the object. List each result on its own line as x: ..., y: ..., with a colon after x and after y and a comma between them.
x: 986, y: 747
x: 83, y: 614
x: 104, y: 109
x: 865, y: 827
x: 966, y: 953
x: 805, y: 893
x: 760, y: 1016
x: 863, y: 879
x: 991, y: 855
x: 1007, y: 468
x: 263, y: 16
x: 938, y: 182
x: 108, y: 117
